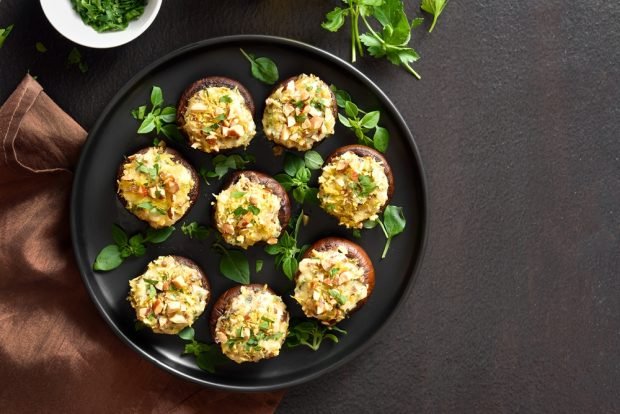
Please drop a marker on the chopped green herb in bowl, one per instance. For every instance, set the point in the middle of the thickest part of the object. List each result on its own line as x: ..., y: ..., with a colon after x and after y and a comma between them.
x: 109, y: 15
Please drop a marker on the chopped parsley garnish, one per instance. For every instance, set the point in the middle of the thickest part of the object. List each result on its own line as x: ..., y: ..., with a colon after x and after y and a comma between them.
x: 238, y: 194
x: 109, y: 15
x: 340, y: 298
x: 225, y: 99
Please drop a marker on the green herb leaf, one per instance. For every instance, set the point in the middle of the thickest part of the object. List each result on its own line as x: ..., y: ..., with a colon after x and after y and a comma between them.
x: 435, y: 8
x: 157, y: 236
x: 393, y: 223
x: 341, y: 96
x: 381, y: 139
x: 370, y: 120
x: 311, y: 334
x: 157, y: 97
x: 187, y: 333
x: 109, y: 258
x: 313, y: 160
x: 194, y: 230
x: 292, y: 163
x: 335, y: 19
x: 4, y: 33
x: 119, y: 236
x: 40, y: 47
x: 263, y: 69
x: 234, y: 264
x: 109, y: 15
x: 75, y: 59
x: 259, y: 266
x: 225, y: 99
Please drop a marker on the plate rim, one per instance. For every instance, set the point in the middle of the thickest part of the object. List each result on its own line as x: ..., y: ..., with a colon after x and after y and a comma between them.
x: 422, y: 227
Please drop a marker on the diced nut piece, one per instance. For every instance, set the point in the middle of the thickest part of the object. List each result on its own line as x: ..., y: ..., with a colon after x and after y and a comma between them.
x: 272, y: 240
x: 179, y: 282
x: 173, y: 307
x: 284, y: 135
x: 235, y: 131
x: 220, y: 337
x: 227, y: 228
x: 288, y: 108
x: 178, y: 318
x: 290, y: 121
x: 142, y: 312
x: 158, y: 306
x: 316, y: 122
x: 198, y: 107
x: 290, y: 86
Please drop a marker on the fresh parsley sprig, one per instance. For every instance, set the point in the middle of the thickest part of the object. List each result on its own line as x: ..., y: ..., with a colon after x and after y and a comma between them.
x: 234, y: 264
x: 434, y: 8
x: 391, y: 42
x: 286, y: 252
x: 393, y: 224
x: 159, y: 118
x: 207, y: 355
x: 222, y: 164
x: 113, y: 255
x: 197, y: 231
x: 362, y: 123
x: 263, y: 68
x: 4, y: 33
x: 297, y: 175
x: 311, y: 334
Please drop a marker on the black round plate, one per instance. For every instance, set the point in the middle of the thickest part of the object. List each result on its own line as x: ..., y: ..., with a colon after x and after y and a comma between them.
x: 95, y: 207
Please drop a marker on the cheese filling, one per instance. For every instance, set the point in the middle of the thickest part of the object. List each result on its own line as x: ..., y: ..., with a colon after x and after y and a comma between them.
x: 353, y: 188
x: 330, y: 285
x: 299, y: 113
x: 253, y: 327
x: 155, y: 187
x: 247, y: 213
x: 218, y: 118
x: 169, y: 296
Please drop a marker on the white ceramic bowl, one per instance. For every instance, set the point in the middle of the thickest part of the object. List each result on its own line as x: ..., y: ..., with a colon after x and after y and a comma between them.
x: 61, y: 15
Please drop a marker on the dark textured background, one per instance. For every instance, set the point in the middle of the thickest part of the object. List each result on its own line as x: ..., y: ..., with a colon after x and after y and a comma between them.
x: 517, y: 306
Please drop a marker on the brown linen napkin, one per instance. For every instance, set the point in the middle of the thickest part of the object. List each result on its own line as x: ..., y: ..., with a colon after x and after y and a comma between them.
x: 56, y: 353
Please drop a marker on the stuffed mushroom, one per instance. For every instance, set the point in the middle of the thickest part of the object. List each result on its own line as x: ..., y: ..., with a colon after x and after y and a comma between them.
x: 334, y: 279
x: 300, y: 112
x: 355, y: 185
x: 216, y: 113
x: 170, y: 295
x: 157, y: 185
x: 250, y: 323
x: 252, y: 208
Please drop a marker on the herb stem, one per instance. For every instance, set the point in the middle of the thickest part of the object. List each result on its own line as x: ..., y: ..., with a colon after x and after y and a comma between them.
x: 246, y: 55
x: 433, y: 24
x: 353, y: 31
x: 386, y: 248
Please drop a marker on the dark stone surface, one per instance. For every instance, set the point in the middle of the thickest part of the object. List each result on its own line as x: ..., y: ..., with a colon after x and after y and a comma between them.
x: 517, y: 307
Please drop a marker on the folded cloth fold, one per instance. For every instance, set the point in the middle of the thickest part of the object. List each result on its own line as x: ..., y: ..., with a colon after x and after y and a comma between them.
x: 56, y: 352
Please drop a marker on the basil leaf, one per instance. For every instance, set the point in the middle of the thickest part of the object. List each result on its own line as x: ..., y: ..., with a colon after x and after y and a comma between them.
x: 234, y: 265
x: 285, y: 180
x: 381, y: 139
x: 313, y: 160
x: 157, y: 97
x: 119, y: 236
x: 351, y: 109
x: 168, y: 114
x: 370, y: 120
x: 289, y: 267
x: 157, y: 236
x: 108, y: 258
x: 147, y: 125
x: 394, y: 220
x: 263, y: 69
x: 292, y: 164
x: 341, y: 96
x: 187, y: 333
